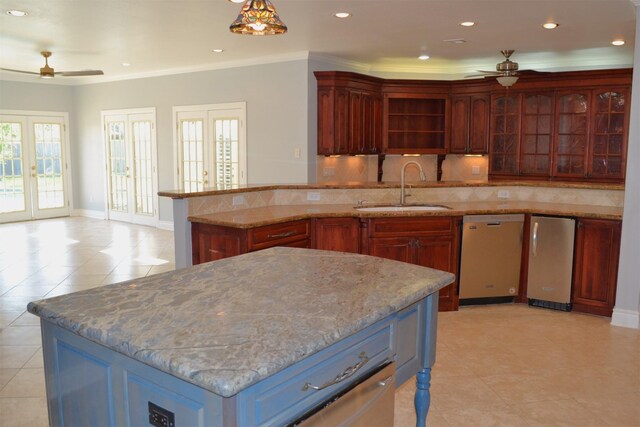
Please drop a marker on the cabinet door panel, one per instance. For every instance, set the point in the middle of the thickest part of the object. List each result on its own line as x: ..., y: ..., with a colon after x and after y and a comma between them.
x: 479, y: 124
x: 609, y: 134
x: 460, y: 110
x: 596, y: 266
x: 572, y: 124
x: 440, y: 253
x: 505, y: 134
x: 396, y: 248
x: 535, y: 150
x: 337, y: 234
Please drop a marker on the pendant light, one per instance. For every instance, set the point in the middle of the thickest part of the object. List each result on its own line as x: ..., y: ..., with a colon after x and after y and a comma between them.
x: 258, y: 18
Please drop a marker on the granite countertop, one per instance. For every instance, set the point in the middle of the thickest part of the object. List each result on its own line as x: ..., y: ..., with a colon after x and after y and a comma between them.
x: 226, y: 325
x: 255, y: 217
x: 229, y: 189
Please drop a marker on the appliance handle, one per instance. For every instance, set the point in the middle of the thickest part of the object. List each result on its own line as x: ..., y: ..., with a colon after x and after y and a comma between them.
x: 535, y: 238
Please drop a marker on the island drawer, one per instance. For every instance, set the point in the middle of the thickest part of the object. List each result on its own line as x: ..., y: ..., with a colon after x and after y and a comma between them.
x: 360, y: 354
x: 284, y: 234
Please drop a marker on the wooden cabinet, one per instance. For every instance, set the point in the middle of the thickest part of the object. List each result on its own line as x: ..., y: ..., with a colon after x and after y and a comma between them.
x: 337, y: 234
x: 213, y: 242
x: 430, y: 242
x: 505, y: 135
x: 349, y: 114
x: 415, y: 123
x: 572, y: 133
x: 470, y: 124
x: 536, y: 134
x: 597, y: 251
x: 609, y: 128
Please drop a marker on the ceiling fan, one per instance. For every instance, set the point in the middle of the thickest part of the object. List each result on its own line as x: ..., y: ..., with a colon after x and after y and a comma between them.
x: 506, y: 71
x: 47, y: 72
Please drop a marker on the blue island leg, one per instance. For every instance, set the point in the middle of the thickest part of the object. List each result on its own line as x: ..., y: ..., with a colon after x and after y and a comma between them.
x: 422, y: 399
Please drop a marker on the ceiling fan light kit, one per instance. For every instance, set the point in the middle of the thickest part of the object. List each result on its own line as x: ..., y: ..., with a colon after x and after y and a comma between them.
x: 258, y: 18
x: 507, y: 81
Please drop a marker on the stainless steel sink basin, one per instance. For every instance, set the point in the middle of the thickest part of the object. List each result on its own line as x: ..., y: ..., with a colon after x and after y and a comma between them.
x: 402, y: 208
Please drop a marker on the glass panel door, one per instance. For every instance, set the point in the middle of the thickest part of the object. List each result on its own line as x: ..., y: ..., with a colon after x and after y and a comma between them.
x: 14, y: 203
x: 33, y: 169
x: 131, y: 165
x: 226, y: 148
x: 191, y: 135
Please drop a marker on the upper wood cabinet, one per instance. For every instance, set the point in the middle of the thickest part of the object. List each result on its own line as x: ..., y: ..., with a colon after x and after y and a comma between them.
x: 505, y: 134
x: 572, y: 133
x: 349, y: 114
x: 536, y: 134
x: 415, y: 123
x: 470, y: 124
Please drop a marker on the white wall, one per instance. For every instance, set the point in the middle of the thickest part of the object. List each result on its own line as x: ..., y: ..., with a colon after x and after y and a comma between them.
x: 627, y: 309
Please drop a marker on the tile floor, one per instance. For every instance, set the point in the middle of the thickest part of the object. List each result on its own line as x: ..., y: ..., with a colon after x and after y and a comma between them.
x: 506, y: 365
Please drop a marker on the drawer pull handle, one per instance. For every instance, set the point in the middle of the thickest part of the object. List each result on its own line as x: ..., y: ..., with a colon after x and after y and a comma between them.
x: 340, y: 377
x: 285, y: 234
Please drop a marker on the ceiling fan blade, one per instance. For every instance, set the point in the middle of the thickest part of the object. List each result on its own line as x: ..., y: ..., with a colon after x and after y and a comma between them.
x: 80, y: 73
x: 489, y: 73
x: 19, y: 71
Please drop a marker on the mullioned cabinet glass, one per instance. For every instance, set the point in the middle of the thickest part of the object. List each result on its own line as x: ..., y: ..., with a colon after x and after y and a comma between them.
x: 505, y: 134
x: 537, y: 135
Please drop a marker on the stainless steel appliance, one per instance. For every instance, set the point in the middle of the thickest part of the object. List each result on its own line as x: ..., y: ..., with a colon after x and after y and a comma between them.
x: 550, y: 262
x: 490, y: 258
x: 368, y: 403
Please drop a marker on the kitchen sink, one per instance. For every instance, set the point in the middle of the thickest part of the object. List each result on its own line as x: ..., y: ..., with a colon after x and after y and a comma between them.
x: 402, y: 208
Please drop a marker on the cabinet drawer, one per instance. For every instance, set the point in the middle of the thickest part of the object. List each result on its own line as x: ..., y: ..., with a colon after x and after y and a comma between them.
x: 278, y: 234
x: 396, y: 227
x: 289, y: 390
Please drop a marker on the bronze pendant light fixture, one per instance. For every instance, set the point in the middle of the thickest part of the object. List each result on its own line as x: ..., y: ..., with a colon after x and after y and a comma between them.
x: 258, y: 18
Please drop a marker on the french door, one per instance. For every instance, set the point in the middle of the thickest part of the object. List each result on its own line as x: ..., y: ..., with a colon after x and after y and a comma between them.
x: 131, y: 153
x: 33, y: 167
x: 210, y: 146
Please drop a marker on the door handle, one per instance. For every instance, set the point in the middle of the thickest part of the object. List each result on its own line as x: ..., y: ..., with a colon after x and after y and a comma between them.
x: 534, y: 238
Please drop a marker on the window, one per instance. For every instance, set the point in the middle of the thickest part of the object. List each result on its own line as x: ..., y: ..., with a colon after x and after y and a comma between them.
x: 210, y: 143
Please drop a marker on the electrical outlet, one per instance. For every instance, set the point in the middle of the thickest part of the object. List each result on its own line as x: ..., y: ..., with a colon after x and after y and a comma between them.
x: 160, y: 417
x: 313, y: 196
x: 237, y: 200
x: 296, y: 153
x: 503, y: 194
x: 475, y: 170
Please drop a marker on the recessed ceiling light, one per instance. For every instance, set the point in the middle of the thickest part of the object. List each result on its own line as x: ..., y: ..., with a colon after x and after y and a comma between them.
x: 342, y: 14
x: 550, y: 25
x: 16, y: 13
x: 617, y: 42
x: 126, y: 64
x: 237, y: 1
x: 423, y: 57
x: 217, y: 50
x: 455, y: 41
x: 468, y: 23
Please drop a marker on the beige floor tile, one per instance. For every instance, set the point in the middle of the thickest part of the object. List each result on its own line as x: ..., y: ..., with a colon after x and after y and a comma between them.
x: 6, y: 317
x: 83, y: 279
x: 558, y: 413
x: 454, y: 393
x: 28, y: 382
x: 481, y: 417
x: 523, y: 388
x: 31, y: 291
x: 16, y: 356
x: 157, y: 269
x: 20, y: 335
x: 618, y: 410
x: 36, y: 360
x: 24, y: 412
x: 26, y: 319
x: 6, y: 375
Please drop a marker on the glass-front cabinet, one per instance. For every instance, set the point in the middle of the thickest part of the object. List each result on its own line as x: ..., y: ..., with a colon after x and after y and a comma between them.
x: 572, y: 134
x: 537, y: 134
x: 608, y: 134
x: 505, y: 133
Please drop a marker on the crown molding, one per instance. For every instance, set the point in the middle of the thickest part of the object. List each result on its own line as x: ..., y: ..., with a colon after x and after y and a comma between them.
x: 349, y: 64
x: 635, y: 2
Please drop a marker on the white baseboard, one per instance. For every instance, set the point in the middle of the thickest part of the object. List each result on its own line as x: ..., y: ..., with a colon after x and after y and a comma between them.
x: 89, y: 213
x: 625, y: 318
x: 165, y: 225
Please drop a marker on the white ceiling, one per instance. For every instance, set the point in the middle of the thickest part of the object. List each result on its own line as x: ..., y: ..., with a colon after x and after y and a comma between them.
x: 383, y: 37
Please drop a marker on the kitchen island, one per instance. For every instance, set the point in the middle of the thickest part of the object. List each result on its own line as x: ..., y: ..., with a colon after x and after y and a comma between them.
x: 241, y: 341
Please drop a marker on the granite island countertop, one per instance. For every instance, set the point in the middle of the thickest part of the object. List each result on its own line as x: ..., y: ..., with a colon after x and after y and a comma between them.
x: 229, y: 324
x: 259, y: 216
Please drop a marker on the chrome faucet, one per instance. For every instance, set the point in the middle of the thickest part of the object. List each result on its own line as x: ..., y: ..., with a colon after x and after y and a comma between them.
x: 423, y: 177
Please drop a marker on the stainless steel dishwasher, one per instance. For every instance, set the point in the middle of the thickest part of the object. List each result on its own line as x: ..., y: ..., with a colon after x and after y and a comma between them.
x: 490, y: 258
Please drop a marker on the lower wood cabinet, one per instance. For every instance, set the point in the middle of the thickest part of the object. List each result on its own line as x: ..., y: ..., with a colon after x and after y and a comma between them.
x: 430, y: 242
x: 337, y: 234
x: 213, y: 242
x: 595, y: 275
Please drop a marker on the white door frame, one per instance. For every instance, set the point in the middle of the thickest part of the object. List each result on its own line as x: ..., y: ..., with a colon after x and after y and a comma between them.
x: 130, y: 216
x: 27, y: 117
